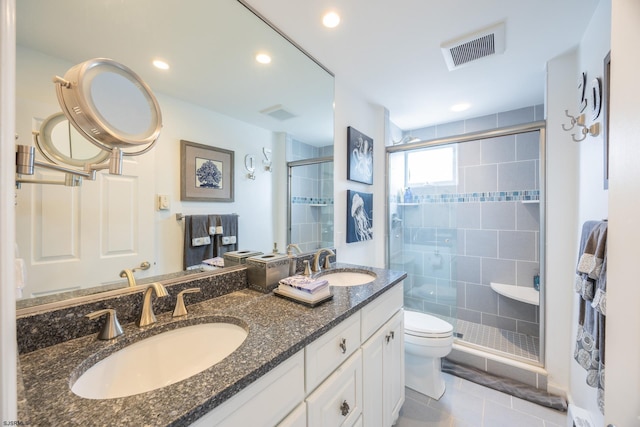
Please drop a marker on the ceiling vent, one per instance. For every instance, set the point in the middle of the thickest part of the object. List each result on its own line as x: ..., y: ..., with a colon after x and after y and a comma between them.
x: 470, y: 48
x: 278, y: 113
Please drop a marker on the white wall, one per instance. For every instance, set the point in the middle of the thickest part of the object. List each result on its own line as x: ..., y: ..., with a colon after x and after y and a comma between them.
x: 622, y: 396
x: 574, y: 194
x: 351, y: 109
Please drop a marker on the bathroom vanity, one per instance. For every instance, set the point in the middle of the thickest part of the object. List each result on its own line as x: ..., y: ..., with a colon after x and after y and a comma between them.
x: 338, y: 364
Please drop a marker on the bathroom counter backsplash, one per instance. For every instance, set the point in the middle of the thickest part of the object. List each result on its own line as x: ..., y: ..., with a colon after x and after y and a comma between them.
x: 277, y: 328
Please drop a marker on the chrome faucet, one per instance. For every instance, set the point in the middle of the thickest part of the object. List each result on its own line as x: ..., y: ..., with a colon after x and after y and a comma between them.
x: 147, y: 317
x: 128, y: 272
x: 129, y: 275
x: 292, y: 257
x: 180, y: 309
x: 316, y: 259
x: 111, y: 327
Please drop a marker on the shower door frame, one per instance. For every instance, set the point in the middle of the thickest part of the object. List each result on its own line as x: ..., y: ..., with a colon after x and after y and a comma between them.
x: 290, y: 166
x: 537, y: 126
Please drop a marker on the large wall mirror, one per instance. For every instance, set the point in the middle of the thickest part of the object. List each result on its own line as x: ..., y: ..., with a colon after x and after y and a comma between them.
x: 76, y: 240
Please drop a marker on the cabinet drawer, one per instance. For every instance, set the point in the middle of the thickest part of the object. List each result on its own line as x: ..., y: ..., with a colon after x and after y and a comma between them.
x: 377, y: 312
x: 265, y: 402
x: 326, y: 353
x: 338, y: 400
x: 297, y: 417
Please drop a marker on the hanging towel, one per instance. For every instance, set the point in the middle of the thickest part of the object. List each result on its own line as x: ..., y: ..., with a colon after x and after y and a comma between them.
x: 196, y: 231
x: 228, y: 240
x: 214, y: 225
x: 591, y: 260
x: 591, y: 280
x: 200, y: 230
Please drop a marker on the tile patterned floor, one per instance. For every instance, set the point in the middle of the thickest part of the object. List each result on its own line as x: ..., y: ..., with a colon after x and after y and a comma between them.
x: 512, y: 343
x: 466, y: 404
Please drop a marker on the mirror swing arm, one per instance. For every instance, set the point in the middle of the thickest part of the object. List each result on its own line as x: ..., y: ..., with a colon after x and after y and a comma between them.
x: 78, y: 108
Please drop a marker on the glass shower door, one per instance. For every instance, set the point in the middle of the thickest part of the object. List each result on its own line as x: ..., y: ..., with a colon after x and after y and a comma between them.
x: 465, y: 223
x: 310, y: 208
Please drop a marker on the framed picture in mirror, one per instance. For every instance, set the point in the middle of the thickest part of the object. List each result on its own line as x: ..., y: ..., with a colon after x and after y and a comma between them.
x: 359, y: 156
x: 206, y: 173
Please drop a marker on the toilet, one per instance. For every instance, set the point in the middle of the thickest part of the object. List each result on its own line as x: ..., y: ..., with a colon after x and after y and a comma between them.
x: 427, y: 339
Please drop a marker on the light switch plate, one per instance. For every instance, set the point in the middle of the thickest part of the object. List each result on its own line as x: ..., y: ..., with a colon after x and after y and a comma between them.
x: 163, y: 202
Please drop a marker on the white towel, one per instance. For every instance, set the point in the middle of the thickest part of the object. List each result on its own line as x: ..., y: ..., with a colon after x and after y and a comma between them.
x: 304, y: 295
x: 304, y: 283
x: 216, y: 262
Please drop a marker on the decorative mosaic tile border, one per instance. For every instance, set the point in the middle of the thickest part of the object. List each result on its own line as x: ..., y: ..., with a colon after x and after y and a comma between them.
x: 311, y: 201
x: 490, y: 196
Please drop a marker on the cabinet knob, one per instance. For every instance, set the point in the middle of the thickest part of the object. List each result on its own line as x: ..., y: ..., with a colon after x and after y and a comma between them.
x: 344, y: 408
x: 387, y: 338
x: 343, y: 345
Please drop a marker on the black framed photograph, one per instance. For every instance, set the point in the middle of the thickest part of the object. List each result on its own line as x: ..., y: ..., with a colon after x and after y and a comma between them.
x: 206, y: 173
x: 359, y: 216
x: 359, y: 156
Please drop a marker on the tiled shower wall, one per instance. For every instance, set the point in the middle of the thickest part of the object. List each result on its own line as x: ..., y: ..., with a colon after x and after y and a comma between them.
x: 459, y: 238
x: 312, y: 197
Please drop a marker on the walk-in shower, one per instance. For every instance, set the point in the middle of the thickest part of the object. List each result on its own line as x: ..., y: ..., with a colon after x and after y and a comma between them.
x: 310, y: 207
x: 467, y: 212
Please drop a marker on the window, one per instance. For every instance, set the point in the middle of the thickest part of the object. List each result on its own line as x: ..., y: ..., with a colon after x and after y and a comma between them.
x: 432, y: 166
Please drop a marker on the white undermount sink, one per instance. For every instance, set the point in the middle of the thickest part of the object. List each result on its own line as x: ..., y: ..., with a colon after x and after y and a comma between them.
x: 348, y: 277
x: 160, y: 360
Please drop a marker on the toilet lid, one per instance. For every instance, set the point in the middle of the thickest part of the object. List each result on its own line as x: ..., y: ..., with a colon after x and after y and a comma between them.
x: 421, y: 324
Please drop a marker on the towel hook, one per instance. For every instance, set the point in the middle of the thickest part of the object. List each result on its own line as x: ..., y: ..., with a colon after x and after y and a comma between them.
x: 573, y: 121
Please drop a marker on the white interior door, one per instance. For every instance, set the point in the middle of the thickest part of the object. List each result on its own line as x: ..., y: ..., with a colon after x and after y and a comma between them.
x: 74, y: 237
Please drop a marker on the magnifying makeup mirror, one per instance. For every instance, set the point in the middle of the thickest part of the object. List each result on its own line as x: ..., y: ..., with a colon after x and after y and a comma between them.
x: 109, y: 105
x: 61, y: 143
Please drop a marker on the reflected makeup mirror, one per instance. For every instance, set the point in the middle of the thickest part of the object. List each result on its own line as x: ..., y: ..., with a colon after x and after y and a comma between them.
x: 60, y: 143
x: 110, y: 105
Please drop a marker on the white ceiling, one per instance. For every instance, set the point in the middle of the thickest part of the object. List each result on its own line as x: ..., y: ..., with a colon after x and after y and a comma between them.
x: 386, y: 50
x: 389, y: 50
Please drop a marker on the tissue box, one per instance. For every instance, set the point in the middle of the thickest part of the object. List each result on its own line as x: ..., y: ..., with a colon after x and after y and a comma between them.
x: 238, y: 257
x: 265, y: 271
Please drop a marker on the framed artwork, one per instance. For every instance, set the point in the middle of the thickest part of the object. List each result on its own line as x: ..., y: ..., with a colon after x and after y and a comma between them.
x: 206, y: 173
x: 605, y: 117
x: 359, y: 216
x: 359, y: 156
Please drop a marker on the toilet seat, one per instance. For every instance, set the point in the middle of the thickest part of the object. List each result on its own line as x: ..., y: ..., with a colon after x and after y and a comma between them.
x: 426, y: 326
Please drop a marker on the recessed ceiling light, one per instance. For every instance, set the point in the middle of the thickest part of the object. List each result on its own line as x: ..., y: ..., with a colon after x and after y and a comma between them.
x: 158, y: 63
x: 331, y: 20
x: 263, y: 58
x: 460, y: 107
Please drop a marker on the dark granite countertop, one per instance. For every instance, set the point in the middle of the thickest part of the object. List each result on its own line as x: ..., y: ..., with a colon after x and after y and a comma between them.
x: 277, y: 329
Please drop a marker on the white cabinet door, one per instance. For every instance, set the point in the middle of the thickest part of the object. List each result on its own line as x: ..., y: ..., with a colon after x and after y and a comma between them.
x: 372, y: 377
x: 325, y: 354
x: 383, y: 374
x: 337, y: 402
x: 393, y: 376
